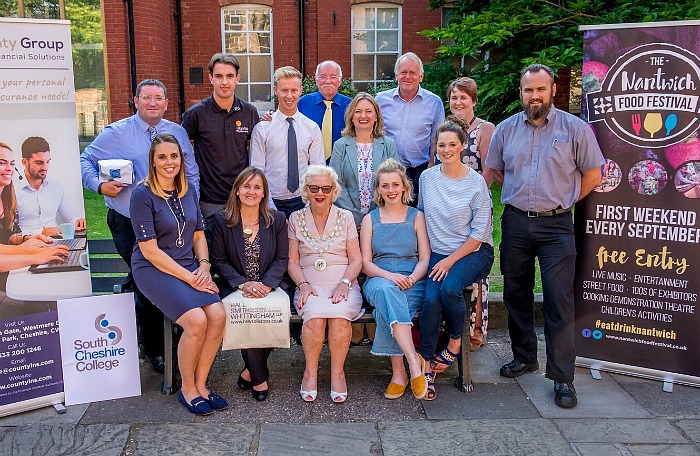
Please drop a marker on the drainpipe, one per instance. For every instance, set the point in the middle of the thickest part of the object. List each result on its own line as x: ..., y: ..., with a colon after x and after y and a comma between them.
x: 180, y: 60
x: 302, y: 50
x: 132, y: 50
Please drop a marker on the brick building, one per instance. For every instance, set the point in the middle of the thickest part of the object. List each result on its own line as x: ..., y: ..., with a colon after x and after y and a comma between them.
x: 364, y: 37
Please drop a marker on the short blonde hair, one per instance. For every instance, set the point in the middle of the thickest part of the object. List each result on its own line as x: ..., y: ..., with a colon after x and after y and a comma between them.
x: 320, y: 170
x: 287, y: 72
x: 393, y: 166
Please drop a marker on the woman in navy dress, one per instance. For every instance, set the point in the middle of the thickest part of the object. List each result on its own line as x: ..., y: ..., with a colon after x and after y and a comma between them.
x: 171, y: 264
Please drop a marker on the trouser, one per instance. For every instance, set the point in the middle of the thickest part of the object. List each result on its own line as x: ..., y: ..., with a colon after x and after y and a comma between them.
x: 444, y: 300
x: 288, y: 206
x: 148, y: 316
x: 255, y: 360
x: 413, y: 174
x: 551, y: 240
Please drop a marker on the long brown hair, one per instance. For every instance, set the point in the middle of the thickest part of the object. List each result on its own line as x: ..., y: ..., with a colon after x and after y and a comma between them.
x: 9, y: 202
x: 232, y: 209
x: 151, y: 180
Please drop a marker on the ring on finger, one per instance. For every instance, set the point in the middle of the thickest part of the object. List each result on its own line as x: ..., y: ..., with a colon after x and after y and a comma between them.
x: 254, y: 290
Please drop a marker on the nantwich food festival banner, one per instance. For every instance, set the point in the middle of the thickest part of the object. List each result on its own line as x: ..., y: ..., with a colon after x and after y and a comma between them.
x: 638, y: 274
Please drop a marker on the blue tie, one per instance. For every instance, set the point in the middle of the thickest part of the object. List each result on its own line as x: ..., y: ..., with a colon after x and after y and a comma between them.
x: 292, y: 158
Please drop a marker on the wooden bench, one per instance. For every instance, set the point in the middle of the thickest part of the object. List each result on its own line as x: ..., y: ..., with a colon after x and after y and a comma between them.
x: 109, y: 271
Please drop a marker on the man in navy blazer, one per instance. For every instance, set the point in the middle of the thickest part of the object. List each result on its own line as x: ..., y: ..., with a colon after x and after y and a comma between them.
x: 328, y: 76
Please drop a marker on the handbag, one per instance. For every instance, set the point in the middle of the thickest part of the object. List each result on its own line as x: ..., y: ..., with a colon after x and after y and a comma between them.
x: 256, y: 322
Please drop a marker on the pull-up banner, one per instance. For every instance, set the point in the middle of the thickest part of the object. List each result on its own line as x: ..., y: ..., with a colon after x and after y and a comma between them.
x: 638, y: 270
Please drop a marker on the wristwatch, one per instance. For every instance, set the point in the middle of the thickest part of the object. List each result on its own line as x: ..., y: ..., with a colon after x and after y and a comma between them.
x: 346, y: 282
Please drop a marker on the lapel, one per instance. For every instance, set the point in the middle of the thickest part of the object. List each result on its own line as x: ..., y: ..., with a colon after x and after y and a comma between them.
x: 265, y: 243
x: 351, y: 155
x: 239, y: 242
x: 378, y: 149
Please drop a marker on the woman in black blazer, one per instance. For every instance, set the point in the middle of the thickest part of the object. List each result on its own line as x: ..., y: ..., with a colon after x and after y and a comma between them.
x: 250, y: 252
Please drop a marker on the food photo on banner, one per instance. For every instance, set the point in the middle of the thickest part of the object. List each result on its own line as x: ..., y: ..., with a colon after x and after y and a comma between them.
x: 638, y: 232
x: 43, y: 251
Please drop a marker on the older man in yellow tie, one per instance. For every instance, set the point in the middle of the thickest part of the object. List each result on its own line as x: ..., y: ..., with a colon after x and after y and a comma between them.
x: 326, y: 107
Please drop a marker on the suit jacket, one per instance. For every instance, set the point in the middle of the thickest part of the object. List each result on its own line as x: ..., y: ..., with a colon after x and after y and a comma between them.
x: 228, y: 252
x: 344, y: 162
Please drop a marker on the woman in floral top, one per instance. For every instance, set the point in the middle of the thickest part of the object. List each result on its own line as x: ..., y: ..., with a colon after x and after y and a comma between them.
x: 357, y: 155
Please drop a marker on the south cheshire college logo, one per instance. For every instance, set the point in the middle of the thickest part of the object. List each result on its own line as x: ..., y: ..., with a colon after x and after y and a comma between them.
x: 113, y: 332
x: 649, y: 97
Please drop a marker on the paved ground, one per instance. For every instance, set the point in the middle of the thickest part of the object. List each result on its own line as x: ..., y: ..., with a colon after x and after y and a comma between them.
x: 617, y: 415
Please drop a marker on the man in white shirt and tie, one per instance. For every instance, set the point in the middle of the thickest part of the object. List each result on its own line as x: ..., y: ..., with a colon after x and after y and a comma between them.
x: 285, y: 147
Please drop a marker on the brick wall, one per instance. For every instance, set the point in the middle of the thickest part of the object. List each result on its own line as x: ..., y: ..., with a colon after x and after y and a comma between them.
x: 156, y: 42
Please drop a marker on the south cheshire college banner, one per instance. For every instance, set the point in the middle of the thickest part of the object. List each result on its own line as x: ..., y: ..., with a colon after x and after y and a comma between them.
x: 99, y: 348
x: 638, y: 233
x: 37, y: 99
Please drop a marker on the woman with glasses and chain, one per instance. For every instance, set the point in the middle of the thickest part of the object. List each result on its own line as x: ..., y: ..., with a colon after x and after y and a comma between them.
x: 324, y: 261
x: 171, y: 265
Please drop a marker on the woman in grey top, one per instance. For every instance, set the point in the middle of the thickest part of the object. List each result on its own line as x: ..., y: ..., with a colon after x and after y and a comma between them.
x: 457, y: 206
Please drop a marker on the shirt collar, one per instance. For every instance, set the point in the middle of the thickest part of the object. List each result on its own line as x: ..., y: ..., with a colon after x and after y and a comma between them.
x: 144, y: 126
x: 283, y: 117
x: 24, y: 184
x: 420, y: 94
x: 237, y: 105
x: 549, y: 118
x: 320, y: 99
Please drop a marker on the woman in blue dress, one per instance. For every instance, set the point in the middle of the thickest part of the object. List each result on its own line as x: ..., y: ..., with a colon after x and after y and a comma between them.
x: 171, y: 264
x: 395, y: 255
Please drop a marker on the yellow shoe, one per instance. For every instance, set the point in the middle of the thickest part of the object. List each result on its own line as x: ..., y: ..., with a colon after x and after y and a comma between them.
x: 395, y: 390
x: 419, y: 385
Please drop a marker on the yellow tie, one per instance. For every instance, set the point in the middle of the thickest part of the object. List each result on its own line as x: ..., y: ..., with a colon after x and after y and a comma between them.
x: 327, y: 129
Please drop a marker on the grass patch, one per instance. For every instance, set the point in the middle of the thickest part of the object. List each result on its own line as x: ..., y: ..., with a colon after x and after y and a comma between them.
x: 96, y: 216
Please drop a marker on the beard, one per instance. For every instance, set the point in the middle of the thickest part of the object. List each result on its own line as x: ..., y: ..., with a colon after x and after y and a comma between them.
x: 536, y: 113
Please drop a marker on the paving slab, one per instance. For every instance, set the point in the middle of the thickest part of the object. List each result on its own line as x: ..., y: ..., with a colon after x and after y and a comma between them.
x: 191, y: 439
x: 619, y: 430
x: 683, y: 402
x: 344, y: 439
x: 691, y: 428
x: 65, y: 439
x: 485, y: 366
x: 487, y: 401
x: 46, y: 415
x: 601, y: 449
x: 603, y: 398
x: 473, y: 437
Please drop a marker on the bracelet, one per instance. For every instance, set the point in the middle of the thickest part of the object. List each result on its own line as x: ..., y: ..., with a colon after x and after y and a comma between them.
x: 302, y: 283
x: 205, y: 260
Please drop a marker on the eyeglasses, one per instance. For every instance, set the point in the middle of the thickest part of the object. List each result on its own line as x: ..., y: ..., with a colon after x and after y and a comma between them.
x: 315, y: 188
x: 148, y: 98
x: 323, y: 77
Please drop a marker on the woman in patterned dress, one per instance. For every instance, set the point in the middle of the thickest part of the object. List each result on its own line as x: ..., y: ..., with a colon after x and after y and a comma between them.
x: 463, y: 98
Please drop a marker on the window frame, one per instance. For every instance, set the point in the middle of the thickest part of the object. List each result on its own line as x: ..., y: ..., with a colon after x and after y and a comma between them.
x: 375, y: 5
x: 261, y: 106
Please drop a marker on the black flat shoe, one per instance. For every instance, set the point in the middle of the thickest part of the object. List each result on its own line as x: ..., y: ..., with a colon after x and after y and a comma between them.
x: 259, y: 395
x: 517, y: 368
x: 244, y: 384
x: 565, y: 395
x: 158, y: 364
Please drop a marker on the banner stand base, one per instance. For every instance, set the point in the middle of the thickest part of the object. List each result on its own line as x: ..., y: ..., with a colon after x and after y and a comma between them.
x: 60, y: 409
x: 668, y: 387
x: 595, y: 373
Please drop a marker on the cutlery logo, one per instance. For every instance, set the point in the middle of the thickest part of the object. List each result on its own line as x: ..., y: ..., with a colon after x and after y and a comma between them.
x: 650, y: 96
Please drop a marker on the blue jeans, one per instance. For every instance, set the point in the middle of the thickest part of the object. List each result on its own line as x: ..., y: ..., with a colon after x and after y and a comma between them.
x: 446, y: 298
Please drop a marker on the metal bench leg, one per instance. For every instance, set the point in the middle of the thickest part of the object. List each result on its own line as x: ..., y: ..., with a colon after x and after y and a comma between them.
x: 167, y: 387
x: 464, y: 376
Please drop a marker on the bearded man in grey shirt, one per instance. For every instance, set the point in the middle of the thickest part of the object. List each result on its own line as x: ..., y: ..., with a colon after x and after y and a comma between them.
x: 549, y: 159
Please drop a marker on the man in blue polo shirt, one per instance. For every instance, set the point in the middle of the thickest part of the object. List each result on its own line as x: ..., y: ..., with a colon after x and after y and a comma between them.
x: 326, y: 107
x: 130, y: 139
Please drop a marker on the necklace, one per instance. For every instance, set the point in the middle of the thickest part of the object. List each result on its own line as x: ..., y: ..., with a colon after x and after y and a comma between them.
x: 320, y: 264
x: 179, y: 242
x: 469, y: 124
x: 248, y: 228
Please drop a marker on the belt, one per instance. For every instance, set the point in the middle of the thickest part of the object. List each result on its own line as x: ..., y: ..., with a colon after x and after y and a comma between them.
x: 533, y: 214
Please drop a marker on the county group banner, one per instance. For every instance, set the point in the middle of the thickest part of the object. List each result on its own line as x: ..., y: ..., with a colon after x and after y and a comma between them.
x: 637, y: 280
x: 38, y: 125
